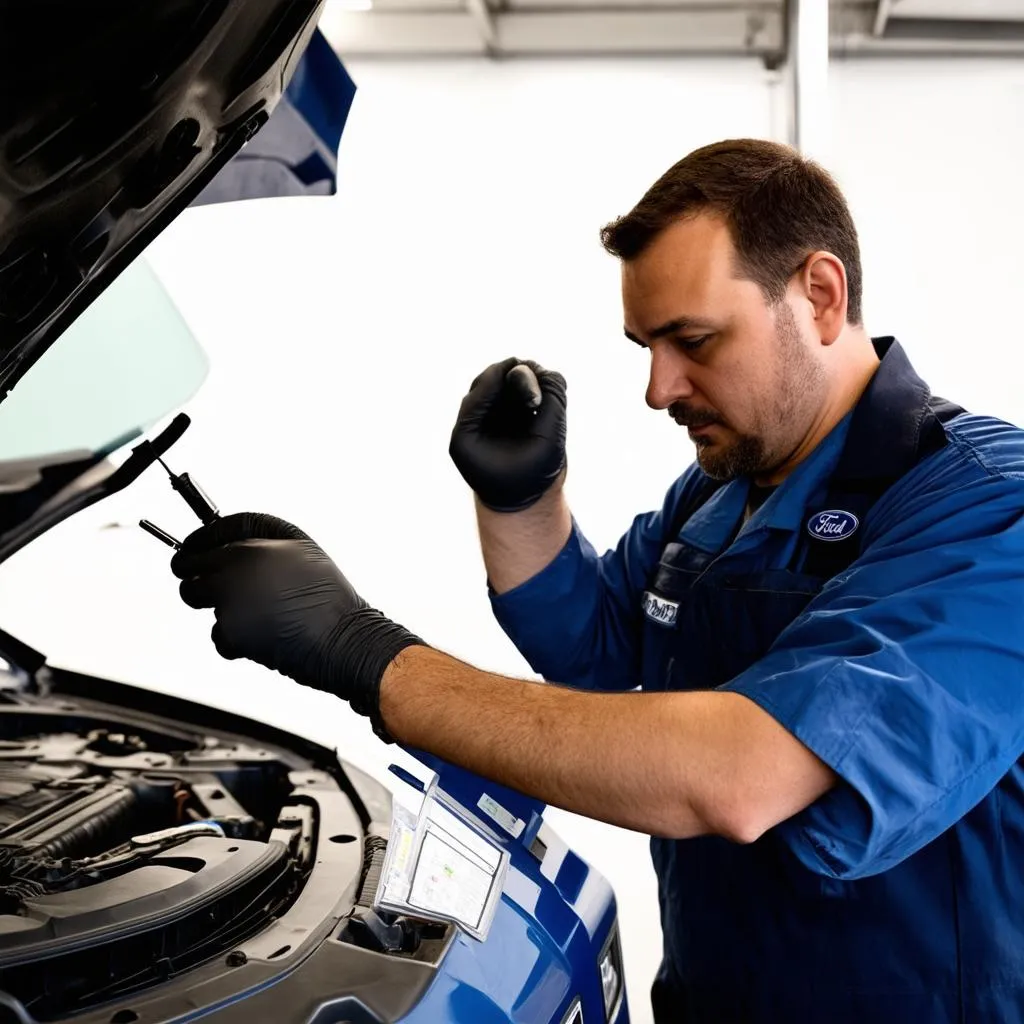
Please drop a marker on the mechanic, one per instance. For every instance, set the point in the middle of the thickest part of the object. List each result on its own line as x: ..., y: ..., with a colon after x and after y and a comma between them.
x: 825, y: 620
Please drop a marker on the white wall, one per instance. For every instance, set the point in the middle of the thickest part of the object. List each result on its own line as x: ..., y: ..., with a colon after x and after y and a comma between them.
x: 930, y: 155
x: 343, y: 333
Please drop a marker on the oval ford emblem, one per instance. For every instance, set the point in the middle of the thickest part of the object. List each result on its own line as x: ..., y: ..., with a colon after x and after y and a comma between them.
x: 833, y: 524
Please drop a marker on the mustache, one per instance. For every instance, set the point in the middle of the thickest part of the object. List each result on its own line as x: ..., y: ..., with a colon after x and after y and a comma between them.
x: 686, y: 416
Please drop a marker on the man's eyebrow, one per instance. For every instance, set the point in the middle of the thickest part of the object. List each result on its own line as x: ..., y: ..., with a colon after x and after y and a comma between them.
x: 680, y: 323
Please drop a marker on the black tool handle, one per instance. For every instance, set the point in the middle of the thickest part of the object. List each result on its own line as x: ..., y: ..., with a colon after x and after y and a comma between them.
x: 195, y: 498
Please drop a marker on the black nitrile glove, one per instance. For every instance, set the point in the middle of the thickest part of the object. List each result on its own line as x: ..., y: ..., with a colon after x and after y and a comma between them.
x: 509, y: 439
x: 280, y: 601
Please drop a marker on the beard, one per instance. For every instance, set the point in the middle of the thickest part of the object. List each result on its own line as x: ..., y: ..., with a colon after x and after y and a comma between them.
x: 797, y: 384
x: 744, y: 456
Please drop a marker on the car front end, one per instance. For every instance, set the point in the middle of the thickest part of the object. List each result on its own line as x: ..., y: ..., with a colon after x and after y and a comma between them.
x: 163, y: 860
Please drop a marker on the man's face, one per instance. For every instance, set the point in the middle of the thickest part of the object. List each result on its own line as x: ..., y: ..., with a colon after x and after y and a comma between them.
x: 744, y: 376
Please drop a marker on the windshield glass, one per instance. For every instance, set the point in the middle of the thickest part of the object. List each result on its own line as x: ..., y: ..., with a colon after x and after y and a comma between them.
x: 124, y: 364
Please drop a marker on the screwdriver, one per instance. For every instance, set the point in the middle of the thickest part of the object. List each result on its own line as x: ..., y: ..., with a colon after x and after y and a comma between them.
x: 194, y: 496
x: 196, y: 499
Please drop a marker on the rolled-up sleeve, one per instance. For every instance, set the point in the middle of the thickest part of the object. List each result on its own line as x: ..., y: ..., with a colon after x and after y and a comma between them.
x: 906, y: 674
x: 578, y: 621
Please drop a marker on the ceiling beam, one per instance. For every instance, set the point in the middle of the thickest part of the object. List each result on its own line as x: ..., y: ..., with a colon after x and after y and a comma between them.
x: 654, y: 31
x: 959, y: 10
x: 560, y: 32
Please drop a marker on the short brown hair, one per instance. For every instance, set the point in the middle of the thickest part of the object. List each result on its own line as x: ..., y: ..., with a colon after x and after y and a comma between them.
x: 779, y: 206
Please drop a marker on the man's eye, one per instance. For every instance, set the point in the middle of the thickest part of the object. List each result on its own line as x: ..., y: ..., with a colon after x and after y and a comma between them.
x: 692, y: 344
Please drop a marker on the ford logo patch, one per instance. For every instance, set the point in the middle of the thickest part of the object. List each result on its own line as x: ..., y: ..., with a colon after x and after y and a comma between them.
x: 832, y: 525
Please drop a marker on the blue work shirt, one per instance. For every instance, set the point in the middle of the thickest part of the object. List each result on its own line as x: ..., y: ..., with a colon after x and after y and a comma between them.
x: 899, y: 894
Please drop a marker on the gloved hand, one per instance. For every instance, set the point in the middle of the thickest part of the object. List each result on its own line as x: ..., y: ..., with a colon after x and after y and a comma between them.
x: 280, y: 601
x: 509, y: 438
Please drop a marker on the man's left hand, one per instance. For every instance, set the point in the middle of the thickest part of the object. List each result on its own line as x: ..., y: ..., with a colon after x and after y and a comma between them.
x: 279, y: 600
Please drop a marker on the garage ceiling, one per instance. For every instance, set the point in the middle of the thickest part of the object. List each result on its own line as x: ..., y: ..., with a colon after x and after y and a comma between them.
x: 534, y: 28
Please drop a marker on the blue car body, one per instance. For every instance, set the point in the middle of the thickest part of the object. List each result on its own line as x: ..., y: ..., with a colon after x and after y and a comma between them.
x: 555, y: 923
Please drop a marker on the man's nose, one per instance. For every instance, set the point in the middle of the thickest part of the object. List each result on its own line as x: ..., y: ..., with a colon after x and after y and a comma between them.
x: 670, y: 377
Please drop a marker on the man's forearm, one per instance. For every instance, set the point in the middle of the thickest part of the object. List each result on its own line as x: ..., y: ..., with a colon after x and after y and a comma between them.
x: 518, y: 545
x: 670, y: 764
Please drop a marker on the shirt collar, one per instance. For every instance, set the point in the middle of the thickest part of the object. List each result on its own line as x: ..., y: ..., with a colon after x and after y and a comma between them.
x: 885, y: 431
x: 878, y: 439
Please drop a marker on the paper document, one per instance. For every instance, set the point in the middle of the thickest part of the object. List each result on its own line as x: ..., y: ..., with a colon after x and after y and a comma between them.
x: 441, y: 867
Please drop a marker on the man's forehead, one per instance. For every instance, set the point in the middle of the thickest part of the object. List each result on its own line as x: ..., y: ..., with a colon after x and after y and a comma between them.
x: 684, y: 271
x: 694, y: 247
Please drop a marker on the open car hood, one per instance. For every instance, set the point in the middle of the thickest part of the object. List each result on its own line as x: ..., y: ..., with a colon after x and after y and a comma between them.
x: 118, y: 116
x: 115, y: 116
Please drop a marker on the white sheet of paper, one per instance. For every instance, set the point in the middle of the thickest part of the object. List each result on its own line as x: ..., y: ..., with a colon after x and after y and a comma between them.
x: 440, y: 866
x: 449, y: 880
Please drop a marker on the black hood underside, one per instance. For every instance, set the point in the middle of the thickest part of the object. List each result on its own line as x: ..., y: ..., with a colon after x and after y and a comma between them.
x: 114, y: 115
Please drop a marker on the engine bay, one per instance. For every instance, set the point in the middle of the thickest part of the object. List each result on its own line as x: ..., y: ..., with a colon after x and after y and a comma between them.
x: 64, y: 795
x: 129, y: 853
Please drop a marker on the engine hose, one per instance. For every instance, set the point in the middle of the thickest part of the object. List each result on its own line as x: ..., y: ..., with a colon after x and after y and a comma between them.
x: 15, y: 1009
x: 87, y: 832
x: 374, y: 850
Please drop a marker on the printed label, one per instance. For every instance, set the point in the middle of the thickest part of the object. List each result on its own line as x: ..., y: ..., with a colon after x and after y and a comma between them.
x: 506, y: 819
x: 660, y: 609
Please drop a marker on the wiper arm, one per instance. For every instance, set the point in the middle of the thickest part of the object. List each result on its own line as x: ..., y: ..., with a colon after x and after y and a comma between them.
x: 22, y: 657
x: 19, y: 654
x: 142, y: 457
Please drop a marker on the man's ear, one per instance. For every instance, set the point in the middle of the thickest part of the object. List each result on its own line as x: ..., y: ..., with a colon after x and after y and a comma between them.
x: 823, y: 281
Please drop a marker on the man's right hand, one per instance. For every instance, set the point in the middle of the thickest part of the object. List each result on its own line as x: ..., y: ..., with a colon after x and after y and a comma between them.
x: 509, y: 438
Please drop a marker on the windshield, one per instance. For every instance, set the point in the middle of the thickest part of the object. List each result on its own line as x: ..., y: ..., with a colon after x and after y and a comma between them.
x: 124, y: 364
